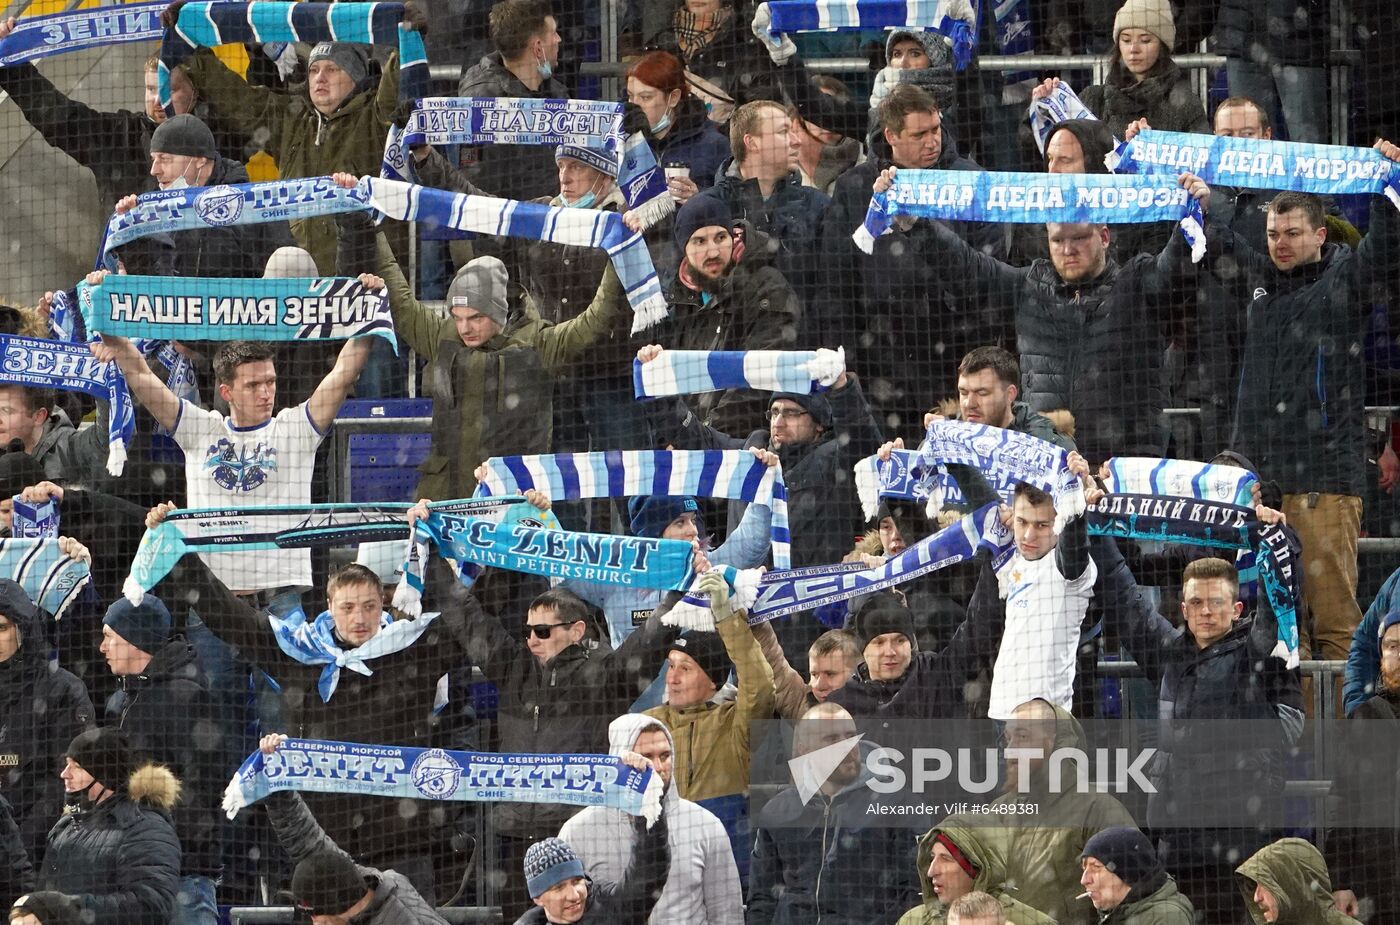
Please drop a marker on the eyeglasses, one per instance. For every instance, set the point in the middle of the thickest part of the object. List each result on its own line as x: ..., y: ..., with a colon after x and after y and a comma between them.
x: 543, y: 630
x: 787, y: 414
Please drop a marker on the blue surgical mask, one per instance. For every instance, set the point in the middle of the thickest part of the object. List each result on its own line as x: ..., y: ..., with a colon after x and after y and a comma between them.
x: 663, y: 125
x: 583, y: 202
x: 545, y: 69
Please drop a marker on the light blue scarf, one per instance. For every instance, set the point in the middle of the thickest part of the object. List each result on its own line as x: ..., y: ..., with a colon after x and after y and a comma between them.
x: 41, y: 36
x: 314, y: 643
x: 51, y: 579
x: 687, y: 372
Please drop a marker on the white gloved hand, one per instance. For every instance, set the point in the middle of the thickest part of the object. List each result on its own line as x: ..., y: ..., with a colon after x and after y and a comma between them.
x: 962, y: 9
x: 780, y: 51
x: 885, y: 81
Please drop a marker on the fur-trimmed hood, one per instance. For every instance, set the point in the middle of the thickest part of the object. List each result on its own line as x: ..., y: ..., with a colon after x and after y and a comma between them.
x: 155, y: 786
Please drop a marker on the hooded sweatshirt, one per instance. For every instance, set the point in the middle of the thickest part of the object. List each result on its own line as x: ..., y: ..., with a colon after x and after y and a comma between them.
x: 1292, y: 870
x: 1043, y: 860
x: 702, y: 885
x: 986, y: 849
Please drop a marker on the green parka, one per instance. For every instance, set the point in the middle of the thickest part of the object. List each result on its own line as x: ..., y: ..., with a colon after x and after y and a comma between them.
x: 1165, y: 905
x: 985, y: 847
x: 1293, y: 870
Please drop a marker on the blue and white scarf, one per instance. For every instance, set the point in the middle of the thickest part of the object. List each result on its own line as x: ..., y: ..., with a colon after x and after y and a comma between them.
x: 510, y: 121
x: 1198, y: 522
x: 1033, y: 198
x: 1061, y: 105
x: 205, y: 24
x: 735, y: 475
x: 835, y: 15
x: 197, y: 207
x: 196, y: 308
x: 273, y: 527
x: 510, y: 218
x: 1006, y: 457
x: 42, y: 36
x: 403, y: 772
x: 1327, y: 170
x: 1180, y: 478
x: 314, y: 643
x: 50, y: 578
x: 180, y: 377
x: 64, y: 315
x: 601, y: 558
x: 778, y: 594
x: 688, y: 372
x: 52, y: 364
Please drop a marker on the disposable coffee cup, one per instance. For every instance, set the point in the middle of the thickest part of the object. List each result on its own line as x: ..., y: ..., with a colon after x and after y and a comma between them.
x: 677, y: 171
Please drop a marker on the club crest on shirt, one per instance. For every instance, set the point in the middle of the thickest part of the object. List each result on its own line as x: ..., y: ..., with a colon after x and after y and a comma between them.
x: 235, y: 471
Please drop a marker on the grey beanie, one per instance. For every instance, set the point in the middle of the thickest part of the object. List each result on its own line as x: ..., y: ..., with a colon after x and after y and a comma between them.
x: 290, y: 263
x: 480, y: 285
x: 352, y: 59
x: 184, y: 135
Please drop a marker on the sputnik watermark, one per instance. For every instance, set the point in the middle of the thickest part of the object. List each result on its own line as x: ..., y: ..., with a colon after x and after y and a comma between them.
x: 1066, y: 770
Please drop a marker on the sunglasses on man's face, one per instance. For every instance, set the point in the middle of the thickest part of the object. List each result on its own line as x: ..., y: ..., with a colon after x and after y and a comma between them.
x: 543, y: 630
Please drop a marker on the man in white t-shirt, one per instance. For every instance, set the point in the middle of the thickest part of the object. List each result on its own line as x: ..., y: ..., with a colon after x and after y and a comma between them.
x: 1047, y: 585
x: 252, y: 457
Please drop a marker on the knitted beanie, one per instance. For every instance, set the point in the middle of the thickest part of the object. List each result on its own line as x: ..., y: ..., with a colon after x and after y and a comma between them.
x: 1153, y: 16
x: 547, y: 863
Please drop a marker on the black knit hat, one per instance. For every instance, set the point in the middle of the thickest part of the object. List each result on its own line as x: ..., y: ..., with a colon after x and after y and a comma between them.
x: 146, y: 625
x: 700, y: 212
x: 328, y: 883
x: 884, y: 613
x: 184, y: 135
x: 49, y: 908
x: 814, y: 404
x: 106, y: 755
x: 1128, y: 854
x: 708, y: 651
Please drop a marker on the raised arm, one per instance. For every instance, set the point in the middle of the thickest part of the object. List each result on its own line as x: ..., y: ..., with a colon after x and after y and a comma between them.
x: 254, y: 111
x: 755, y: 699
x: 568, y: 341
x: 789, y: 690
x: 1378, y: 255
x: 980, y: 634
x: 1147, y: 635
x: 857, y: 429
x: 296, y: 826
x: 325, y: 402
x: 163, y: 404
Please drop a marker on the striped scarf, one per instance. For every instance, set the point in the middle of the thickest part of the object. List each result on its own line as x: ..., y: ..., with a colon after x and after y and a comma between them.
x: 39, y: 37
x: 50, y: 578
x: 205, y: 24
x: 687, y: 372
x: 732, y: 474
x: 957, y: 21
x: 532, y: 221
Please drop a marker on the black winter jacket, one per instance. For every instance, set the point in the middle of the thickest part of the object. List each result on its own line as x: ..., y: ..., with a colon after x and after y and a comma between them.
x: 119, y: 860
x: 392, y: 706
x: 167, y: 715
x: 395, y: 900
x: 42, y: 709
x: 1165, y: 99
x: 231, y: 250
x: 564, y: 705
x: 753, y: 309
x: 1302, y: 381
x: 893, y: 314
x: 509, y: 171
x: 1089, y: 347
x: 1233, y: 678
x: 16, y: 872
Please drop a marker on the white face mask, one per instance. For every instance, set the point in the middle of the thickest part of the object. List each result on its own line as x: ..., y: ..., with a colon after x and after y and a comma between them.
x: 178, y: 183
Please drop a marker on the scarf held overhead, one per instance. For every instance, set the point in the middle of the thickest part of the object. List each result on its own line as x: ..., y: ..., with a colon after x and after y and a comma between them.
x: 1033, y: 199
x: 688, y: 372
x: 734, y: 475
x: 1198, y: 522
x: 1254, y: 163
x: 508, y: 121
x: 50, y: 577
x: 1180, y: 478
x: 207, y: 24
x: 397, y: 771
x: 1061, y: 105
x: 273, y: 527
x: 535, y: 222
x: 191, y: 308
x: 51, y: 364
x: 950, y: 18
x: 173, y: 210
x: 42, y: 36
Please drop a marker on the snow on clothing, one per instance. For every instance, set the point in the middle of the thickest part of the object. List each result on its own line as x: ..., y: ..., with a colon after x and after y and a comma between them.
x: 119, y: 860
x: 42, y: 708
x: 628, y: 608
x: 985, y: 848
x: 1292, y: 869
x: 702, y: 883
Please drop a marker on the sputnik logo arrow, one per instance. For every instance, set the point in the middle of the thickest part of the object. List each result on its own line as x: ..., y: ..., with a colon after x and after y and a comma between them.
x: 810, y: 771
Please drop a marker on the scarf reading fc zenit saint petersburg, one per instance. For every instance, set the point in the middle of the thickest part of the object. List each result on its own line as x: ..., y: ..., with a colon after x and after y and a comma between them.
x: 41, y: 36
x: 402, y: 772
x: 52, y: 364
x: 274, y: 527
x: 535, y: 222
x: 597, y: 124
x: 172, y: 210
x: 735, y: 475
x: 956, y: 19
x: 1332, y: 170
x: 1033, y: 198
x: 1198, y: 522
x: 688, y: 372
x: 196, y: 308
x: 206, y: 24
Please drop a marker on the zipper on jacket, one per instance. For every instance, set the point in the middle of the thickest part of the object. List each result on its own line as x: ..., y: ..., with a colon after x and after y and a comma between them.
x: 320, y: 127
x: 1320, y: 385
x: 537, y: 717
x: 821, y: 865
